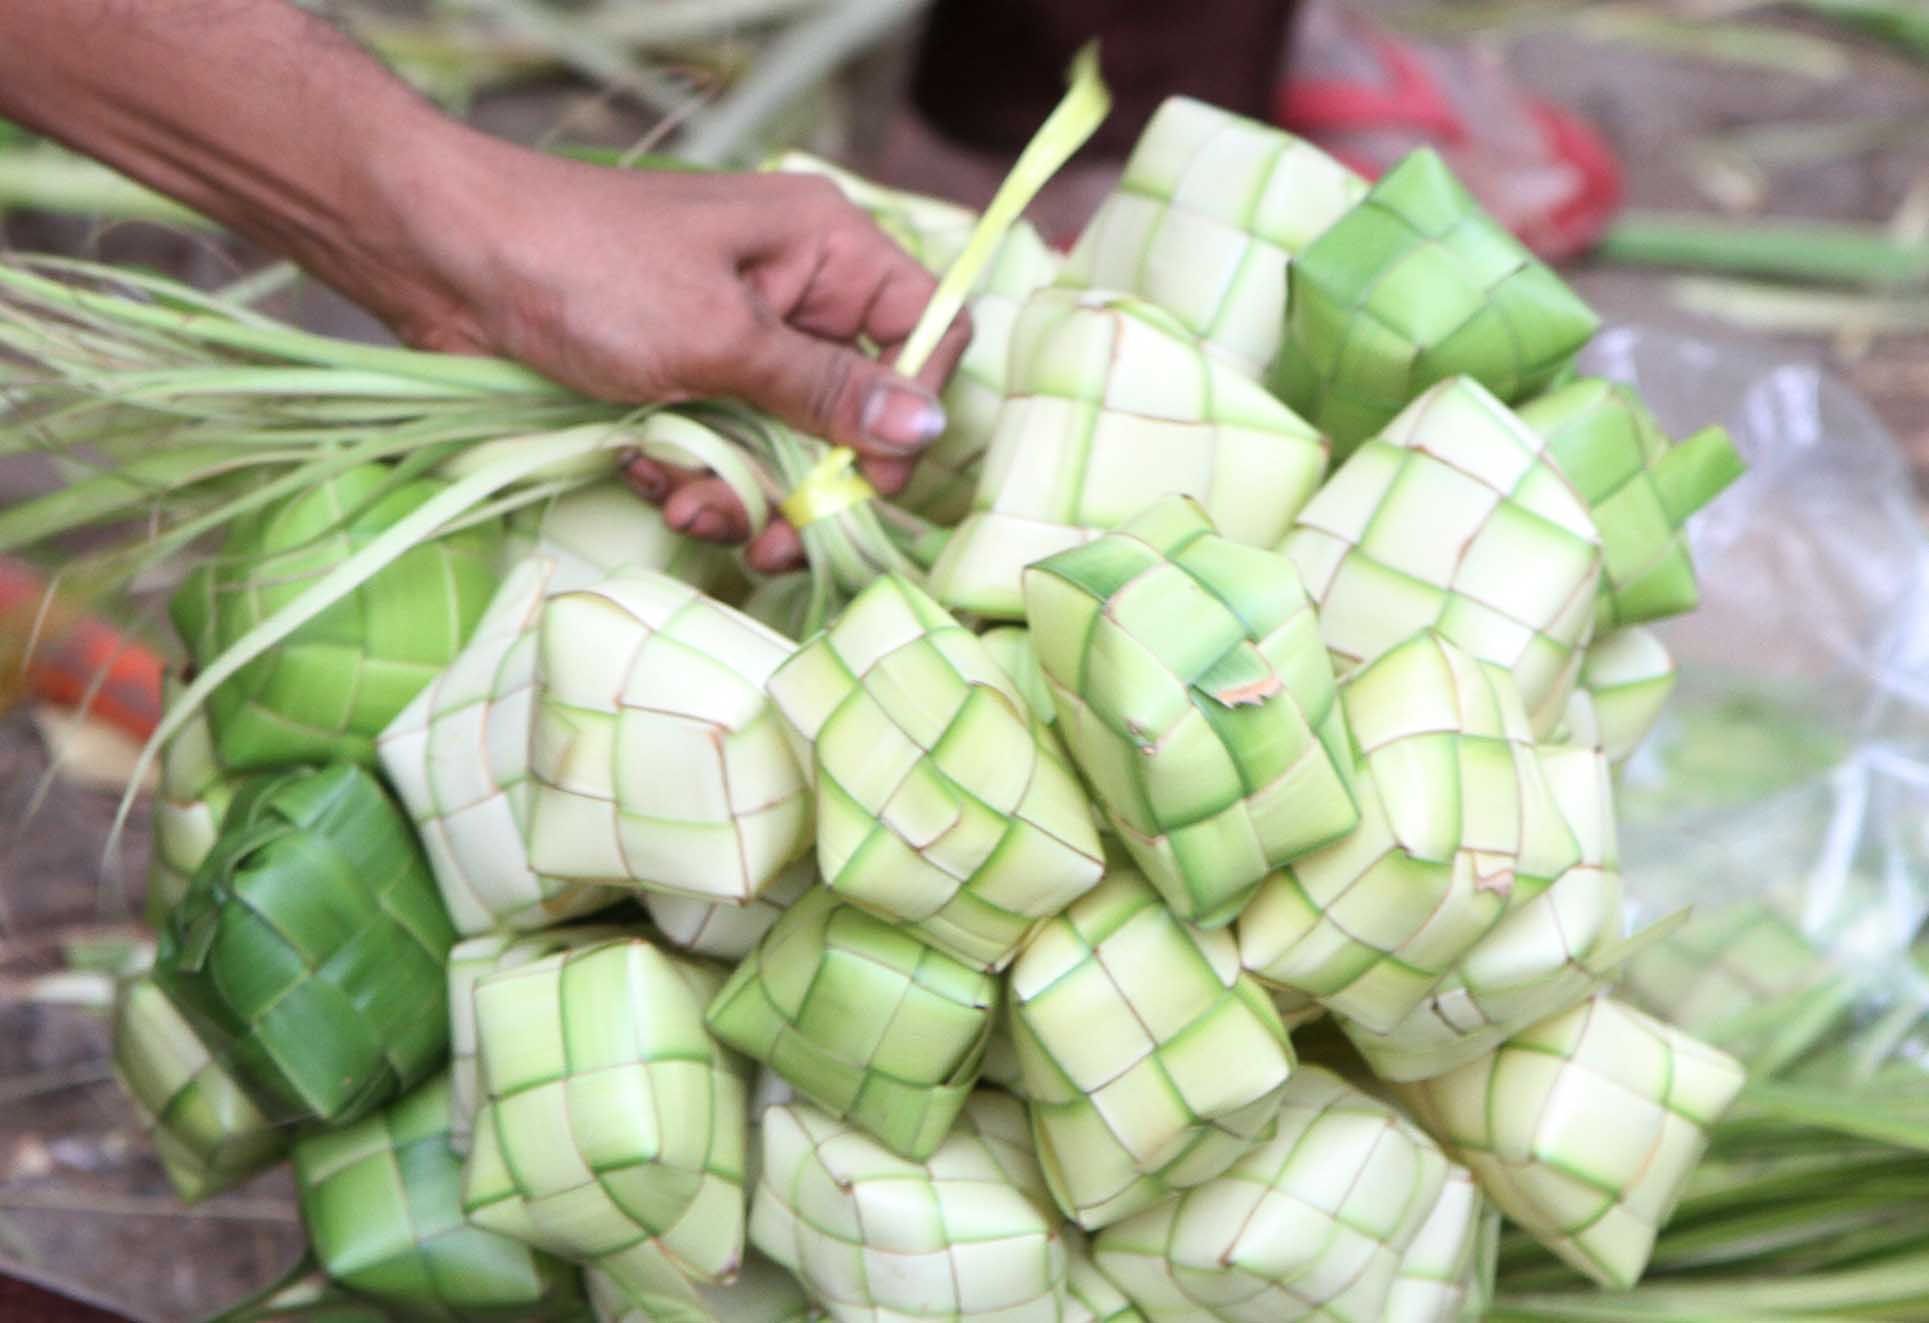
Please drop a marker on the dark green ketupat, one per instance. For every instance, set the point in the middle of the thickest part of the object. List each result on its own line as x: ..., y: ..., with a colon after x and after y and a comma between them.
x: 308, y: 951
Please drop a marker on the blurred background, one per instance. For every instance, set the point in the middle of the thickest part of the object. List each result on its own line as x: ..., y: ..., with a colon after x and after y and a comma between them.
x: 1739, y: 172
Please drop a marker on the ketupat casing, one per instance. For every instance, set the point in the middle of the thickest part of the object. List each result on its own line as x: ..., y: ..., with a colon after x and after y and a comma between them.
x: 658, y: 761
x: 862, y: 1019
x: 1194, y: 692
x: 941, y: 802
x: 1149, y: 1060
x: 1458, y: 826
x: 458, y: 757
x: 382, y: 1204
x: 1624, y: 684
x: 1415, y: 285
x: 967, y: 1233
x: 469, y: 963
x: 1455, y: 518
x: 1111, y: 405
x: 1545, y: 955
x: 327, y: 690
x: 612, y: 1124
x: 207, y: 1131
x: 1312, y: 1223
x: 190, y: 801
x: 308, y: 951
x: 1584, y: 1128
x: 1206, y: 218
x: 1640, y: 489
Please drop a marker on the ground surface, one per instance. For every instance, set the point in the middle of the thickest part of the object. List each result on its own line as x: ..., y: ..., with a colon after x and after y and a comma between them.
x: 79, y: 1196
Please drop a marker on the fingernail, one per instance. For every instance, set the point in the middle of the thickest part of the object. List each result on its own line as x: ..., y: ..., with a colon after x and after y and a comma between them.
x: 899, y: 416
x: 708, y: 525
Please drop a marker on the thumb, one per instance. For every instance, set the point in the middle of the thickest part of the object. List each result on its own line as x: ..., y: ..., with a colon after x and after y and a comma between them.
x: 835, y: 392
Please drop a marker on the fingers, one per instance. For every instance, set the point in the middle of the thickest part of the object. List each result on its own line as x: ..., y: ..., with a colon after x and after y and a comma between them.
x: 887, y: 475
x: 707, y: 510
x: 710, y: 511
x: 835, y: 392
x: 648, y: 479
x: 779, y: 548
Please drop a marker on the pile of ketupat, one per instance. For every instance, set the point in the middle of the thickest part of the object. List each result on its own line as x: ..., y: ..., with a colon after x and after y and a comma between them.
x: 1246, y: 665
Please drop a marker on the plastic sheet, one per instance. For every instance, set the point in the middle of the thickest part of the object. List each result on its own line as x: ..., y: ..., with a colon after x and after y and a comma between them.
x: 1793, y: 759
x: 1786, y: 791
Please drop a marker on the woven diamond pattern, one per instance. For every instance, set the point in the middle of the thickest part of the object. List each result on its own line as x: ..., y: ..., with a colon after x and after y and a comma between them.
x: 458, y: 757
x: 1311, y: 1224
x: 966, y: 1234
x: 1545, y: 955
x: 1639, y: 488
x: 1455, y: 519
x: 208, y: 1132
x: 658, y: 762
x: 1457, y: 826
x: 328, y: 689
x: 308, y: 951
x: 1207, y: 216
x: 1112, y: 405
x: 1584, y: 1128
x: 469, y: 963
x: 382, y: 1202
x: 940, y: 803
x: 1124, y: 1018
x: 1194, y: 692
x: 612, y: 1128
x: 1414, y: 285
x: 862, y: 1019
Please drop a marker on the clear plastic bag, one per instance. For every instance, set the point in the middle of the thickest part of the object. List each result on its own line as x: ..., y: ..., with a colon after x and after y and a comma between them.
x: 1787, y: 784
x: 1802, y: 712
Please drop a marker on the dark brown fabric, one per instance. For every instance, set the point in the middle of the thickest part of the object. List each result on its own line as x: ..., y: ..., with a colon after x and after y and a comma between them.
x: 23, y: 1302
x: 990, y: 70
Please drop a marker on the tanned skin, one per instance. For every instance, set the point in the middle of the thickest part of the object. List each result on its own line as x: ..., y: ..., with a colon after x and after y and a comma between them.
x: 629, y: 285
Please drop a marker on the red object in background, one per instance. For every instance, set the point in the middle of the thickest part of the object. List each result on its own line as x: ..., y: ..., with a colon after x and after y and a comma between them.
x: 77, y: 660
x: 1408, y: 102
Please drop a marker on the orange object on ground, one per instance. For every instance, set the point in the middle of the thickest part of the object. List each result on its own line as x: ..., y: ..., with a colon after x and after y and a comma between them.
x: 76, y: 660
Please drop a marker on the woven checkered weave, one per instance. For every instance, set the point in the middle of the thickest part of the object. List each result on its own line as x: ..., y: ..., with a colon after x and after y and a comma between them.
x: 308, y: 950
x: 1413, y: 286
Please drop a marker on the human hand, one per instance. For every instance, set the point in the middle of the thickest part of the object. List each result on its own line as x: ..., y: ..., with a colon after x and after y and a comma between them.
x: 633, y: 286
x: 663, y: 287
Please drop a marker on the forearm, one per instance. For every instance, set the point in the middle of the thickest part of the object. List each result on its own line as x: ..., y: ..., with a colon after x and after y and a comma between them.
x: 251, y: 112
